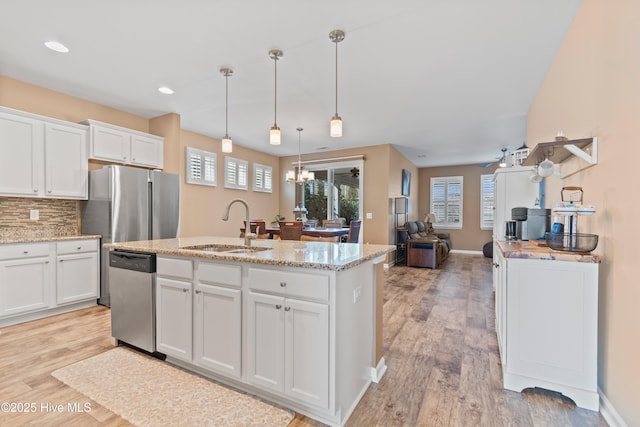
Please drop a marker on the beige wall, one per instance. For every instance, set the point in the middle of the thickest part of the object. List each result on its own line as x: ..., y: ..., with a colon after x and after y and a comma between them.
x: 470, y: 237
x: 201, y: 206
x: 592, y: 89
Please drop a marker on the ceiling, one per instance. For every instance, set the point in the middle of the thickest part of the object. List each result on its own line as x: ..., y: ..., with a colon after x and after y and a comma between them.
x: 446, y: 82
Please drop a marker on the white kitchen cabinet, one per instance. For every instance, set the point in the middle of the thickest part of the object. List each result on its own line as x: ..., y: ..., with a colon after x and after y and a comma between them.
x: 77, y: 271
x: 287, y: 337
x: 500, y: 281
x: 42, y: 157
x: 548, y: 326
x: 217, y: 323
x: 25, y: 278
x: 117, y: 144
x: 174, y: 307
x: 512, y: 189
x: 42, y: 279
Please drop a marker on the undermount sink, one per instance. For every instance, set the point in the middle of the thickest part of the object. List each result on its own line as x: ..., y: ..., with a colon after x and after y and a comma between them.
x: 230, y: 249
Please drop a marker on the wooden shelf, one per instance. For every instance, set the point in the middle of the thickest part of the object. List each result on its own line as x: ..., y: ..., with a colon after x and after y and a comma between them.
x: 558, y: 152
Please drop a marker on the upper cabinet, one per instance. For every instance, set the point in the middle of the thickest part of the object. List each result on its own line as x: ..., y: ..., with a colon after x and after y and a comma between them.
x: 42, y: 157
x: 117, y: 144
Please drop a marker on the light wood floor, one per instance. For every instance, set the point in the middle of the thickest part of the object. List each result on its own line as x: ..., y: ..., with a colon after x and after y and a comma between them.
x: 439, y: 344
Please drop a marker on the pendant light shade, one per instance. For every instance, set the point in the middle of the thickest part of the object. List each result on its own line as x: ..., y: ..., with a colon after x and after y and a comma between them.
x: 227, y: 144
x: 274, y: 133
x: 299, y: 176
x: 336, y: 36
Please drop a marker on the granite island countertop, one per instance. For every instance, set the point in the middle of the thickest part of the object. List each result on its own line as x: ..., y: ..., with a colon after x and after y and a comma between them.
x: 538, y: 249
x: 286, y: 253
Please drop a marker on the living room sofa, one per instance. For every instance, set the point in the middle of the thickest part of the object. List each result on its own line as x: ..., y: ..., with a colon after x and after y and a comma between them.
x: 424, y: 247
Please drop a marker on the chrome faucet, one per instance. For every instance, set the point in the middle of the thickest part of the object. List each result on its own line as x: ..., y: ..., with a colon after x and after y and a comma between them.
x: 247, y: 230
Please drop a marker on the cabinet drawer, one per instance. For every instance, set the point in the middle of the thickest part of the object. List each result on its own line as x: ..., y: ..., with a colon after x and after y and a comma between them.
x: 24, y: 250
x: 77, y: 246
x: 209, y: 272
x: 182, y: 268
x: 290, y: 283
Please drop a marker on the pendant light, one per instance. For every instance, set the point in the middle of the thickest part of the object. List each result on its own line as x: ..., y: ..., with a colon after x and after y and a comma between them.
x: 300, y: 175
x: 274, y: 134
x: 227, y: 144
x: 336, y: 36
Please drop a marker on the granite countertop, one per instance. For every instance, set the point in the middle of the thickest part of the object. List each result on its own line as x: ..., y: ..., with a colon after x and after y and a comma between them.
x: 314, y: 255
x: 538, y: 249
x: 23, y: 237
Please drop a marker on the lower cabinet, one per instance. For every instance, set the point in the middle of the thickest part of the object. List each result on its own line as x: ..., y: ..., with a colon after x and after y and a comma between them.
x: 174, y: 308
x: 25, y: 285
x: 77, y: 271
x: 288, y: 347
x: 41, y: 279
x: 547, y: 325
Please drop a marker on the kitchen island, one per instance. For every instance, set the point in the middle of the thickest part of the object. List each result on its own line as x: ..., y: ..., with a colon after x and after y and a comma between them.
x: 295, y: 323
x: 547, y: 319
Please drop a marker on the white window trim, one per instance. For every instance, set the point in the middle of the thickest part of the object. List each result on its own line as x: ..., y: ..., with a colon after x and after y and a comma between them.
x: 264, y: 185
x: 236, y: 173
x: 486, y: 221
x: 447, y: 180
x: 201, y: 167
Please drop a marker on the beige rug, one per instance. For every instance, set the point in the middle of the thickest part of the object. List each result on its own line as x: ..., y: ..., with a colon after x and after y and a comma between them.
x: 149, y: 392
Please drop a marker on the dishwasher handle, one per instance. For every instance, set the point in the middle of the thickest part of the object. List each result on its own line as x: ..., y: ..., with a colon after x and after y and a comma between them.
x: 136, y: 261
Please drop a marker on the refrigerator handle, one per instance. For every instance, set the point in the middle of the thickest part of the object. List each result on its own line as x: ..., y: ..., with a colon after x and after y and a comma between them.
x: 150, y: 202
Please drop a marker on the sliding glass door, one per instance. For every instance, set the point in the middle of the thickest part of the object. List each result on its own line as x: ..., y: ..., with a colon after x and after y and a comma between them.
x: 335, y: 193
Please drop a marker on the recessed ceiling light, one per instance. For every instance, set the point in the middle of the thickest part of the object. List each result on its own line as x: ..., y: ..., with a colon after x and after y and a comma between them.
x: 56, y: 46
x: 166, y: 90
x: 322, y: 148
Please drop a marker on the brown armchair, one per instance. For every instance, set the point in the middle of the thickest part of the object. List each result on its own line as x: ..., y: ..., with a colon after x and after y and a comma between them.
x: 424, y: 249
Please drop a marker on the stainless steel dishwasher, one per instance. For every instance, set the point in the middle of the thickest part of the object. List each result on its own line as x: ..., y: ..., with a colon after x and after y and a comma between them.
x: 132, y: 280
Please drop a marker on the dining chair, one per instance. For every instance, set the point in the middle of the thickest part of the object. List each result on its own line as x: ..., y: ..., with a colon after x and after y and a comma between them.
x: 290, y: 230
x: 354, y: 231
x: 332, y: 223
x: 257, y: 227
x: 334, y: 239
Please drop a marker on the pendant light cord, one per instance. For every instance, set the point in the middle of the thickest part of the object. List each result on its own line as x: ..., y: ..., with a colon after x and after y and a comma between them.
x: 226, y: 104
x: 336, y: 78
x: 275, y: 97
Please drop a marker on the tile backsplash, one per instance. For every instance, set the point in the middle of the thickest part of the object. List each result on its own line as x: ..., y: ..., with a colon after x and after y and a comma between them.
x: 56, y: 217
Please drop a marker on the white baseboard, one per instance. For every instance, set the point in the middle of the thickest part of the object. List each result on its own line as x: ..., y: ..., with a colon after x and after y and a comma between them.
x: 462, y: 251
x: 378, y: 372
x: 609, y: 413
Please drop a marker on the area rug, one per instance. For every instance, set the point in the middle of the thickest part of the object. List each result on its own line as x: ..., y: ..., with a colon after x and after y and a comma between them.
x: 149, y: 392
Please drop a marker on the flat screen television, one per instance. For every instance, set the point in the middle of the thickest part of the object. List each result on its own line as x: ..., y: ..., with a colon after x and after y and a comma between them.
x: 406, y: 182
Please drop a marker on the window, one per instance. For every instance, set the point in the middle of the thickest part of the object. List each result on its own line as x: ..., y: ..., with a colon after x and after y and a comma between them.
x: 235, y: 173
x: 486, y: 202
x: 201, y: 167
x: 262, y: 178
x: 446, y: 201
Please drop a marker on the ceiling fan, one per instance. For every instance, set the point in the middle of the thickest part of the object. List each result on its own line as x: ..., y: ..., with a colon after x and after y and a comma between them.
x: 502, y: 160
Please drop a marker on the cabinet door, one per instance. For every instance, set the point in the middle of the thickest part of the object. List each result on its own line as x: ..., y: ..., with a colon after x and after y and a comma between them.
x: 217, y: 329
x: 77, y: 277
x: 174, y: 318
x: 66, y: 161
x: 110, y: 144
x: 553, y: 321
x: 20, y: 145
x: 146, y: 151
x: 265, y: 341
x: 307, y: 352
x: 24, y: 285
x: 500, y: 289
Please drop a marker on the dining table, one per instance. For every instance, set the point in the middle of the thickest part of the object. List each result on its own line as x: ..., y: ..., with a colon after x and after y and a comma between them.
x: 310, y: 231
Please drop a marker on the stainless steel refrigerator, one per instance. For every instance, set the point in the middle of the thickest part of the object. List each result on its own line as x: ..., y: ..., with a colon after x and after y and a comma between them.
x: 129, y: 204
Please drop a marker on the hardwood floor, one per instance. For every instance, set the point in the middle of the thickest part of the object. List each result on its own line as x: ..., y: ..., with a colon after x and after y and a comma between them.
x: 439, y: 344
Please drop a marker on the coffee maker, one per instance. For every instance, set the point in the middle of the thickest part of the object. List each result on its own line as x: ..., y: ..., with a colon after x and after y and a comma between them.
x: 531, y: 223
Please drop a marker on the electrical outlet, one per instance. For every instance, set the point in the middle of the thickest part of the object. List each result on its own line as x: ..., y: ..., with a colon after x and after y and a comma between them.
x: 34, y: 214
x: 369, y: 215
x: 356, y: 294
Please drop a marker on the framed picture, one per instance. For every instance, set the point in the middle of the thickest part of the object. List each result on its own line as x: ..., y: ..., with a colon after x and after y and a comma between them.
x: 406, y: 182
